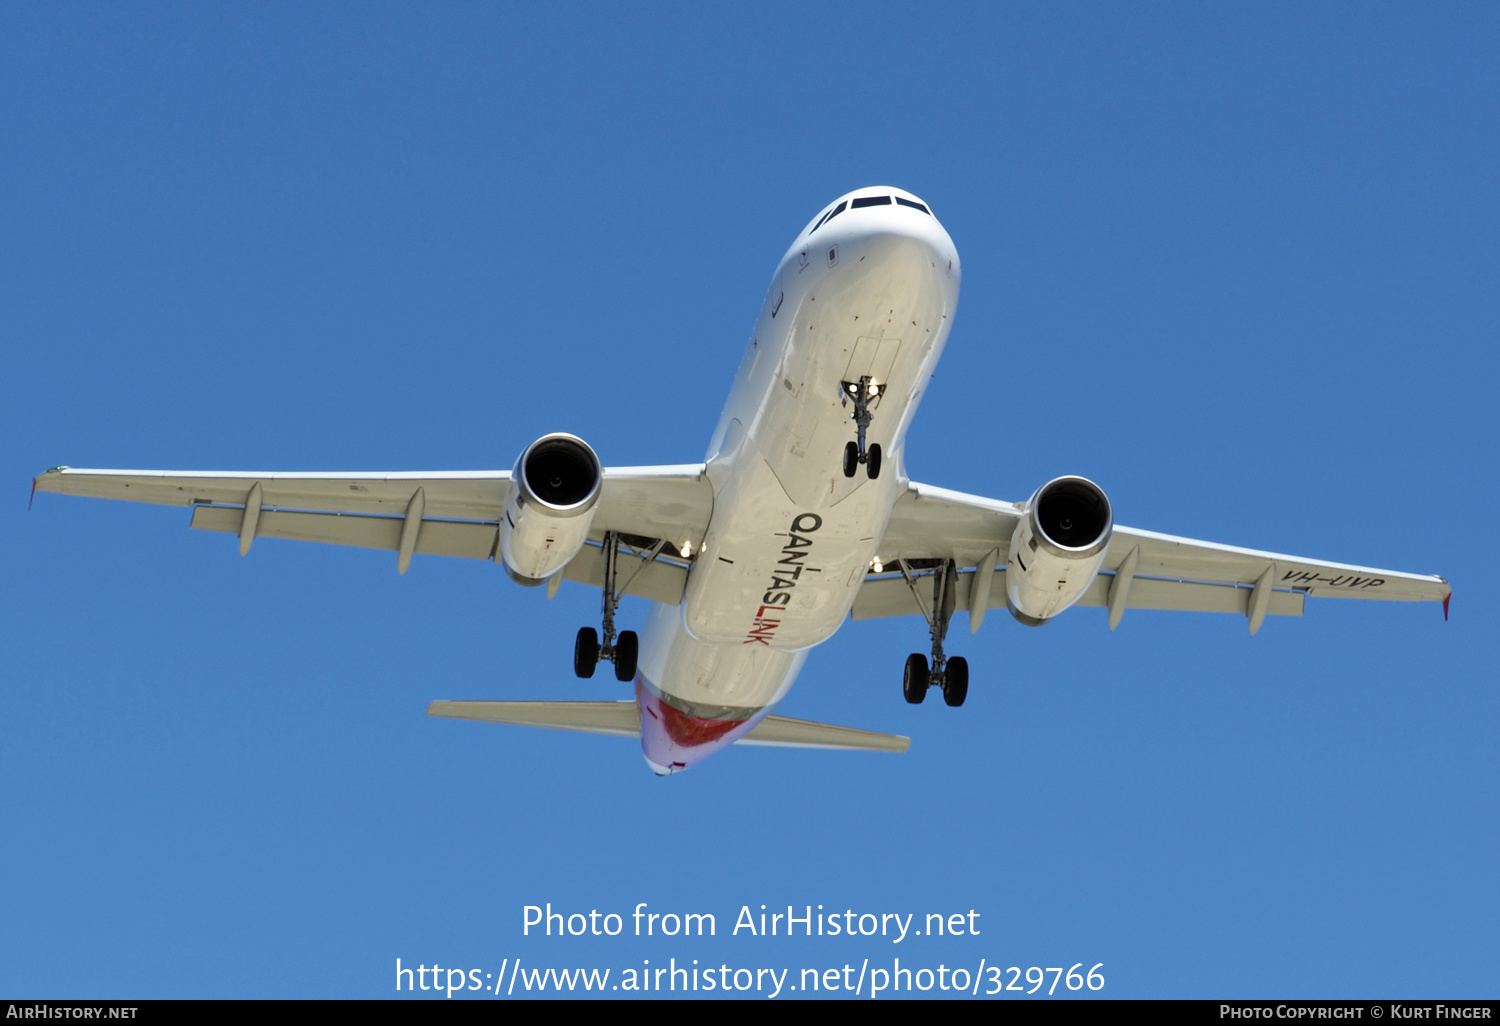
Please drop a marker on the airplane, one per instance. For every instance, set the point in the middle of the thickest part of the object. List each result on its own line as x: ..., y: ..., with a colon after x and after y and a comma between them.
x: 800, y: 516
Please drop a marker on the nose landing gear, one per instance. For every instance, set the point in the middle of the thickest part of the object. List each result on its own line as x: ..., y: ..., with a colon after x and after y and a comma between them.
x: 866, y: 396
x: 952, y: 675
x: 622, y: 650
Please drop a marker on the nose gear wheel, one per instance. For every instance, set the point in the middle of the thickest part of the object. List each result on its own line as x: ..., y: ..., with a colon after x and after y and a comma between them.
x: 866, y: 396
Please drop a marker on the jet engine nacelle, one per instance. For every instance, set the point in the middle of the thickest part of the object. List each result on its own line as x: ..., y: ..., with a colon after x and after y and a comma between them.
x: 549, y: 507
x: 1057, y: 548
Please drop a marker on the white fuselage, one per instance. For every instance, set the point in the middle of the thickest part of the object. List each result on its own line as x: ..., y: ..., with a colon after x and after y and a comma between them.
x: 871, y: 292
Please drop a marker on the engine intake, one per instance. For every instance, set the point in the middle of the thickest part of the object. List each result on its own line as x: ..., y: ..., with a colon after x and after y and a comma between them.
x: 1057, y: 548
x: 549, y: 507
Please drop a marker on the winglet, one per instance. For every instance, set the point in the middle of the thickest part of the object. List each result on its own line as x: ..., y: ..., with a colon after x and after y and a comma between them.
x: 1446, y: 599
x: 46, y: 473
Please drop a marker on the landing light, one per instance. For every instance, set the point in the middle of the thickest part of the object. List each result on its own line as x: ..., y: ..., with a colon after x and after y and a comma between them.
x: 874, y: 388
x: 877, y: 565
x: 687, y: 549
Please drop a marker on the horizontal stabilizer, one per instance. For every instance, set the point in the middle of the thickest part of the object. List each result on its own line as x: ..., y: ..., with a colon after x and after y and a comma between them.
x: 623, y: 720
x: 783, y: 732
x: 618, y: 718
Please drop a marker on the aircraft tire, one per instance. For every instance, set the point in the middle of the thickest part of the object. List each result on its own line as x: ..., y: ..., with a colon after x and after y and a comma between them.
x: 872, y: 462
x: 627, y: 650
x: 851, y: 459
x: 956, y: 681
x: 914, y: 681
x: 586, y: 652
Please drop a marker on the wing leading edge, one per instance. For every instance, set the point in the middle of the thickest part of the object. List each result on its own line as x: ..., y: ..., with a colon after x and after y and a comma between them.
x: 460, y: 512
x: 1169, y: 572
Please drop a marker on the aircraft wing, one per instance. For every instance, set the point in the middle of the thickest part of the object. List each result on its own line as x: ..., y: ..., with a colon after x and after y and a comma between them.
x: 930, y: 523
x: 460, y: 513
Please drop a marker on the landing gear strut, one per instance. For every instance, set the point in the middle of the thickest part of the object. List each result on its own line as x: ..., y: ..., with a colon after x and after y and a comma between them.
x: 952, y: 675
x: 866, y: 396
x: 622, y: 650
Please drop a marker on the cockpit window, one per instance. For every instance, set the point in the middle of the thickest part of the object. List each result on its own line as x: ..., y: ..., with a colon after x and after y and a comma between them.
x: 872, y: 201
x: 914, y: 204
x: 835, y: 212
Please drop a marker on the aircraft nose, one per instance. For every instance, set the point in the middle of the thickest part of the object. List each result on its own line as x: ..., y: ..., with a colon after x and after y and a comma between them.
x: 895, y: 254
x: 899, y: 242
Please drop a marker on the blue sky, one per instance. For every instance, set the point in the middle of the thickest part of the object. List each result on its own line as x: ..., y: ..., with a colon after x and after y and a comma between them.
x: 1237, y: 263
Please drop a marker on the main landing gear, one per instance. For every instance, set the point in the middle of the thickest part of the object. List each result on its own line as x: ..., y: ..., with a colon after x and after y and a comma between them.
x: 866, y: 396
x: 952, y: 675
x: 623, y: 650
